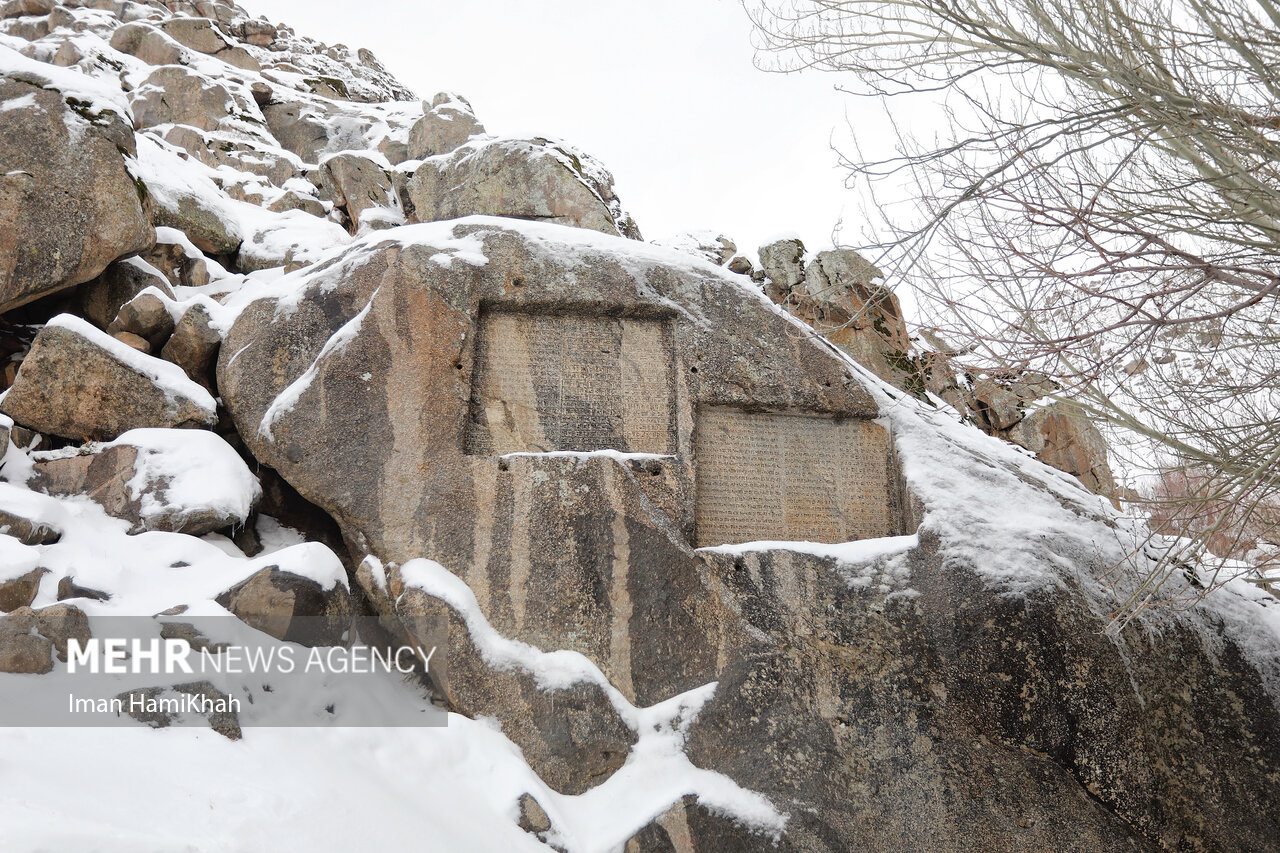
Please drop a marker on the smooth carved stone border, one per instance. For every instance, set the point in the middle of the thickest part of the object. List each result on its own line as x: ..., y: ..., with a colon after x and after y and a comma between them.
x: 797, y: 477
x: 545, y: 383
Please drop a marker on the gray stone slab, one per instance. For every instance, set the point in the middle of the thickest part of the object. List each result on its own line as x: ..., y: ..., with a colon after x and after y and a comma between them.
x: 764, y: 476
x: 547, y: 383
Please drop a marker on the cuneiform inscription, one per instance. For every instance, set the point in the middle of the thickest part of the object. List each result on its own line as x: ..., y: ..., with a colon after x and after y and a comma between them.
x: 545, y: 383
x: 792, y: 477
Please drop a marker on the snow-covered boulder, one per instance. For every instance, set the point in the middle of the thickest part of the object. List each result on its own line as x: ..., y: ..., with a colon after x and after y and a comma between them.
x: 80, y: 383
x: 181, y: 481
x: 783, y: 264
x: 20, y: 570
x: 100, y: 300
x: 520, y: 178
x: 28, y: 522
x: 68, y: 205
x: 357, y: 184
x: 446, y: 124
x: 301, y: 597
x: 565, y: 722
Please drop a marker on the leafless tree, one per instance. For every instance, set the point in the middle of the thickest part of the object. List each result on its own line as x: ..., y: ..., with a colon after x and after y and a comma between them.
x: 1103, y: 206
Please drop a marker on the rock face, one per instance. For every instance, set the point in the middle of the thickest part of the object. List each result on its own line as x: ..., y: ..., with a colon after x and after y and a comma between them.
x: 63, y: 157
x: 523, y: 179
x: 878, y: 716
x: 418, y: 338
x: 79, y: 383
x: 637, y: 505
x: 920, y: 697
x: 1062, y: 436
x: 410, y: 319
x: 836, y: 294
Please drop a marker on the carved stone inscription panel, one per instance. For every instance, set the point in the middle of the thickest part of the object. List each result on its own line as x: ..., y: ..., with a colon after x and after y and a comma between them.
x: 544, y: 383
x: 792, y: 477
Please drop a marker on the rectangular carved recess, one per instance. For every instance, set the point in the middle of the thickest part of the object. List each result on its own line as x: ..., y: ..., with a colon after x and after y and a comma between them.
x: 791, y: 477
x: 544, y: 383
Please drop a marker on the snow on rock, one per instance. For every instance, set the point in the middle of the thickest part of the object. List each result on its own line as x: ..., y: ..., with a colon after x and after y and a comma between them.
x: 180, y: 472
x: 98, y: 95
x: 656, y: 773
x: 169, y: 378
x: 81, y: 383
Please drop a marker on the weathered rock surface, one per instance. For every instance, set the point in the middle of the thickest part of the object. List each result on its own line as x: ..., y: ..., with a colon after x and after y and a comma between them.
x: 627, y: 590
x: 291, y: 607
x: 180, y: 481
x: 100, y: 300
x: 22, y: 652
x: 61, y: 158
x: 1060, y: 435
x: 835, y: 293
x: 147, y: 43
x: 523, y: 179
x: 79, y: 383
x: 944, y: 716
x: 886, y: 710
x: 193, y: 346
x: 783, y: 263
x: 21, y: 590
x: 357, y: 184
x: 173, y: 94
x: 202, y: 35
x: 446, y: 124
x: 571, y: 736
x: 30, y: 638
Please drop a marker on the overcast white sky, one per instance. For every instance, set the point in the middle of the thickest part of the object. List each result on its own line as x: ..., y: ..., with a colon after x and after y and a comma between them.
x: 664, y: 92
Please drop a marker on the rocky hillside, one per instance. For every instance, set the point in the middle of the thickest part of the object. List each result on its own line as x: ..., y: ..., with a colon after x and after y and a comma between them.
x: 711, y: 562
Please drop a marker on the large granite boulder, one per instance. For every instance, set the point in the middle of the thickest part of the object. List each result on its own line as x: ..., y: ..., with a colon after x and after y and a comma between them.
x: 147, y: 43
x: 68, y: 205
x: 411, y: 339
x: 80, y: 383
x: 514, y: 481
x: 520, y: 178
x: 357, y: 185
x: 446, y: 124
